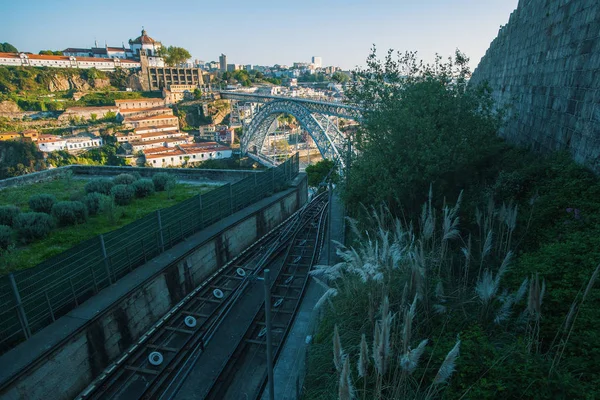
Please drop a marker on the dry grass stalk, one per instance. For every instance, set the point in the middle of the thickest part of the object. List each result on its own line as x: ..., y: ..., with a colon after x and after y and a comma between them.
x: 338, y: 353
x: 346, y: 389
x: 447, y: 368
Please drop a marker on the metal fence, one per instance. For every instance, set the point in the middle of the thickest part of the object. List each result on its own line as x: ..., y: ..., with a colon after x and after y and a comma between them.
x: 34, y: 298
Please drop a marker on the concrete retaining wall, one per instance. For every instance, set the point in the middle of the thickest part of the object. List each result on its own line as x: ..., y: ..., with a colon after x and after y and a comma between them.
x: 207, y: 175
x: 106, y: 325
x: 545, y: 65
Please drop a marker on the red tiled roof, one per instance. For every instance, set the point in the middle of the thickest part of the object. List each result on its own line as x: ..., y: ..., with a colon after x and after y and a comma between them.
x: 137, y: 119
x: 138, y: 100
x: 143, y: 39
x: 175, y: 152
x: 9, y: 55
x: 134, y: 110
x: 163, y: 127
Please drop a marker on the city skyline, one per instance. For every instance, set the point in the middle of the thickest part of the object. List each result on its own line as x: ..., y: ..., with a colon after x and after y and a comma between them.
x: 268, y: 33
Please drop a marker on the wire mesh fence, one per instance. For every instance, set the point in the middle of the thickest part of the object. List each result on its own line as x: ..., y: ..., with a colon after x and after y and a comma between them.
x: 34, y: 298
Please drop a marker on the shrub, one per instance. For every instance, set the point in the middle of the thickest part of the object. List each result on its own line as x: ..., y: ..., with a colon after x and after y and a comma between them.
x: 143, y: 187
x: 124, y: 179
x: 70, y: 212
x: 32, y: 225
x: 42, y: 203
x: 5, y: 236
x: 8, y: 214
x: 123, y: 194
x: 136, y: 175
x: 162, y: 181
x: 94, y: 201
x: 103, y: 186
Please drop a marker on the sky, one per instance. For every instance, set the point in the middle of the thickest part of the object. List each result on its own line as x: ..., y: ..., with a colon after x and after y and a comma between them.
x: 263, y: 32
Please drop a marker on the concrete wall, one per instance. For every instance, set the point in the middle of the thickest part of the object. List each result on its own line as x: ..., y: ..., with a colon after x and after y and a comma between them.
x: 545, y: 63
x: 67, y: 369
x: 220, y: 175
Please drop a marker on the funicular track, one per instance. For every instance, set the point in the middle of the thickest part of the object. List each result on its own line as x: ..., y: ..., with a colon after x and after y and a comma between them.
x: 149, y: 366
x: 245, y: 374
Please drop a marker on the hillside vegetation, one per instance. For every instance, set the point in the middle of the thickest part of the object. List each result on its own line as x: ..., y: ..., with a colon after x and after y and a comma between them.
x: 471, y: 267
x: 51, y: 89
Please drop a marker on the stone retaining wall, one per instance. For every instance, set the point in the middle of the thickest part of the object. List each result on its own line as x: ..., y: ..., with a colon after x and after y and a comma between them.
x: 545, y: 64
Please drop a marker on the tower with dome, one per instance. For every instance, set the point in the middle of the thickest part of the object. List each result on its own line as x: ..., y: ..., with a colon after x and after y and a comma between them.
x: 146, y: 43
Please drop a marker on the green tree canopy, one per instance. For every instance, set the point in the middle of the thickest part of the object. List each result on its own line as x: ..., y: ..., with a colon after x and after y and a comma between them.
x: 8, y: 48
x: 50, y: 53
x: 421, y: 125
x: 340, y: 77
x: 176, y: 55
x: 319, y: 172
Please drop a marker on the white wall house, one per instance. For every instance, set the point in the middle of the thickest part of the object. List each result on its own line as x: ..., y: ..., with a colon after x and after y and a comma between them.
x: 35, y: 60
x: 75, y: 144
x: 48, y: 143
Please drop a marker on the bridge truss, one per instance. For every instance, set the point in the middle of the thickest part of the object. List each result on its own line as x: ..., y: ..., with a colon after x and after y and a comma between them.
x: 313, y: 116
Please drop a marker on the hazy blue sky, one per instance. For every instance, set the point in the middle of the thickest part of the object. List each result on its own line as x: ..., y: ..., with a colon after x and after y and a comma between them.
x: 262, y: 32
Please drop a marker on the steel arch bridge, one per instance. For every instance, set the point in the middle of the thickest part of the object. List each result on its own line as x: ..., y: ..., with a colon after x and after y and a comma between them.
x: 312, y: 115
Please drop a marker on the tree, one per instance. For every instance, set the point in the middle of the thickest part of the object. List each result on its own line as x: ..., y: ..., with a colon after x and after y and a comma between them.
x: 8, y: 48
x: 176, y: 55
x: 319, y: 172
x: 50, y: 53
x: 422, y: 125
x: 340, y: 77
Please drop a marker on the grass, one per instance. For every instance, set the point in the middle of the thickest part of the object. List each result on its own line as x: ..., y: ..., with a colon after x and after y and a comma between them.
x: 63, y: 238
x: 536, y: 350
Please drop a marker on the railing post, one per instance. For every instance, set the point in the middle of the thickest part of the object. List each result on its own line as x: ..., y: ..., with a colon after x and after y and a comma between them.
x: 201, y: 224
x: 273, y: 178
x: 20, y: 309
x: 161, y: 238
x: 105, y: 257
x: 230, y: 199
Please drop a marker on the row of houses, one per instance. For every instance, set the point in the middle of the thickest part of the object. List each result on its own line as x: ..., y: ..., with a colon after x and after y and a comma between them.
x: 72, y: 144
x: 35, y: 60
x: 185, y: 154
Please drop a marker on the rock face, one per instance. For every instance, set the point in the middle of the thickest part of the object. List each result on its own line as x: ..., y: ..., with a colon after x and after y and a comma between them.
x: 60, y: 83
x: 135, y: 82
x: 100, y: 83
x: 9, y: 107
x: 545, y: 65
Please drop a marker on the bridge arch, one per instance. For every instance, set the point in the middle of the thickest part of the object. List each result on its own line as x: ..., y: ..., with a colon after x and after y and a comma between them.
x: 327, y: 136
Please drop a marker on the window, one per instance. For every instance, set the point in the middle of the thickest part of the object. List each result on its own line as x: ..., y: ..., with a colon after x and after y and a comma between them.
x: 154, y: 161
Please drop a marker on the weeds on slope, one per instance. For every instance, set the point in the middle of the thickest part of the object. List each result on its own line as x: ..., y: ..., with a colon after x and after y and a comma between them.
x: 425, y: 311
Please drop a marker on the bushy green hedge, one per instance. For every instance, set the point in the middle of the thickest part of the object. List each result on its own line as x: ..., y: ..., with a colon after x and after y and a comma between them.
x: 42, y: 203
x: 124, y: 179
x: 102, y: 185
x: 8, y: 215
x: 5, y: 236
x: 143, y: 187
x: 93, y: 202
x: 123, y: 194
x: 32, y: 225
x: 70, y: 212
x: 161, y: 181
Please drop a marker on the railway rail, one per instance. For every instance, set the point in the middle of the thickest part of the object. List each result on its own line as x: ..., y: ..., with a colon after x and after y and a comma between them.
x: 245, y: 374
x: 157, y: 360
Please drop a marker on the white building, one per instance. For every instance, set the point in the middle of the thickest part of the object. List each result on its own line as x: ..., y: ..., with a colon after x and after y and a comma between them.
x: 144, y: 42
x: 78, y: 143
x: 317, y: 62
x: 48, y: 143
x: 35, y: 60
x: 186, y: 153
